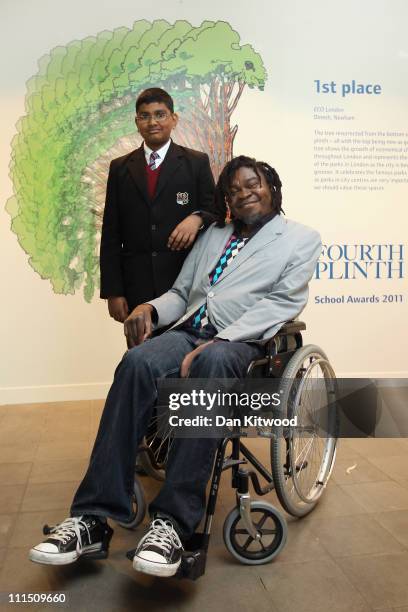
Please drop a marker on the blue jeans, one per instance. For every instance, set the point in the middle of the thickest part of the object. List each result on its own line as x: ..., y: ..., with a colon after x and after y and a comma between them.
x: 108, y: 483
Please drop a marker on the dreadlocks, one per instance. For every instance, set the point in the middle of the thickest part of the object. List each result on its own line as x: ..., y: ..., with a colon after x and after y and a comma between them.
x: 222, y: 190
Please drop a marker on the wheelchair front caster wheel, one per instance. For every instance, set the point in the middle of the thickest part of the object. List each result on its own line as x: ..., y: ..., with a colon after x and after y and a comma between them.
x: 268, y: 522
x: 138, y: 506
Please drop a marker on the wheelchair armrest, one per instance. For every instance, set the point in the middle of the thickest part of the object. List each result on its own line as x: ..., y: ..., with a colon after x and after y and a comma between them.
x: 291, y: 327
x: 286, y: 340
x: 281, y: 338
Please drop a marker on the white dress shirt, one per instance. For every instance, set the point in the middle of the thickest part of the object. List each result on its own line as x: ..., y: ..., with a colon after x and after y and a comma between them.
x: 161, y: 152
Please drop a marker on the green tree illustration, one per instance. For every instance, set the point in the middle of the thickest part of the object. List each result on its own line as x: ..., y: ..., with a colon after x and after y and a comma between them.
x: 80, y: 115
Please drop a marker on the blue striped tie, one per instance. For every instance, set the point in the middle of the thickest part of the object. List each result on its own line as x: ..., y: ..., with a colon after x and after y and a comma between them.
x: 200, y: 318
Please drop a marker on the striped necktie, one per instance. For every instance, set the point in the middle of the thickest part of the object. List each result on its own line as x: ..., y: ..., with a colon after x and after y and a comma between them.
x: 200, y: 319
x: 152, y: 162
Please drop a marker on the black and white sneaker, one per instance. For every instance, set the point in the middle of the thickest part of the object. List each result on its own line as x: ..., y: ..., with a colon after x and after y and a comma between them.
x: 159, y: 551
x: 79, y: 536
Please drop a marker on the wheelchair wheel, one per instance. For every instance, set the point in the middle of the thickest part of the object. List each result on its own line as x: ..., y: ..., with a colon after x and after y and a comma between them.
x: 268, y: 522
x: 157, y: 443
x: 303, y: 457
x: 138, y: 506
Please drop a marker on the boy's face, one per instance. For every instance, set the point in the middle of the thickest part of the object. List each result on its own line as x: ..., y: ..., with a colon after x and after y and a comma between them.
x: 155, y: 123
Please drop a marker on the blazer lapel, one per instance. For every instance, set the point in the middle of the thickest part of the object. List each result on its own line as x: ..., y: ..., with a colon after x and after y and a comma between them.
x: 267, y: 234
x: 214, y: 252
x: 168, y: 167
x: 137, y: 168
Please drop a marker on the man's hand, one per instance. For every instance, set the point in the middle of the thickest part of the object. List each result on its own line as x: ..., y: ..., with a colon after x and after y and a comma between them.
x: 188, y: 359
x: 138, y: 326
x: 185, y: 233
x: 118, y: 308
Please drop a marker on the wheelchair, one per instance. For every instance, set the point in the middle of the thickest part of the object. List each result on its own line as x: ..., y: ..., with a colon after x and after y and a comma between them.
x: 301, y: 458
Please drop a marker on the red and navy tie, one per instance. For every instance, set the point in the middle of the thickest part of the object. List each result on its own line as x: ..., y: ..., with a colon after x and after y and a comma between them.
x: 152, y: 160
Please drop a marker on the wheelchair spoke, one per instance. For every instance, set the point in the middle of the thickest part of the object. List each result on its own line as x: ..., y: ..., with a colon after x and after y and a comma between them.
x: 268, y: 534
x: 249, y: 541
x: 304, y: 450
x: 158, y: 439
x: 261, y: 522
x: 269, y: 540
x: 261, y: 543
x: 163, y: 441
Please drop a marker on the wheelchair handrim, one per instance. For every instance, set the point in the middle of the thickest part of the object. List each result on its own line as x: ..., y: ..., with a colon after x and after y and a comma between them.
x: 328, y: 454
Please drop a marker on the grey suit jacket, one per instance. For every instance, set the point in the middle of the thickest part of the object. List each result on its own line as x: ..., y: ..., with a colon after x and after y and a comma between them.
x: 263, y: 287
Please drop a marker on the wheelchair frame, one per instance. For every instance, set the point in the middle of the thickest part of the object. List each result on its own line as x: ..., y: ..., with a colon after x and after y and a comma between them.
x: 279, y: 351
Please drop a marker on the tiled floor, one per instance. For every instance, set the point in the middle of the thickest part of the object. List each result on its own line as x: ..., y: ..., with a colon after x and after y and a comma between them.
x: 350, y: 554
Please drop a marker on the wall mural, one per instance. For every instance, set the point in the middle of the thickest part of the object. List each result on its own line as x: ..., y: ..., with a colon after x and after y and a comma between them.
x: 80, y: 115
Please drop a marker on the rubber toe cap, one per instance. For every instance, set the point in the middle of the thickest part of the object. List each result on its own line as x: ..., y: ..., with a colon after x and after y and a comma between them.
x: 46, y: 547
x: 150, y: 555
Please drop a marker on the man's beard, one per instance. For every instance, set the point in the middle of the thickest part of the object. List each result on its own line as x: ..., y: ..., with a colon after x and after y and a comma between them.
x: 253, y: 219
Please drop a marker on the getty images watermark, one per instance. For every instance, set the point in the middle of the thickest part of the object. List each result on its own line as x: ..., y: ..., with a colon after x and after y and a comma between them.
x: 301, y: 407
x: 219, y: 401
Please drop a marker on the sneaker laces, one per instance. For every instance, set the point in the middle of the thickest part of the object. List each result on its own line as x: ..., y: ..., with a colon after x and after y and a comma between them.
x: 161, y: 534
x: 69, y: 528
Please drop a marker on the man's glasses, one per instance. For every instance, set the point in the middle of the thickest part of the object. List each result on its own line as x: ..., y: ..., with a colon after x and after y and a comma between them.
x: 159, y: 116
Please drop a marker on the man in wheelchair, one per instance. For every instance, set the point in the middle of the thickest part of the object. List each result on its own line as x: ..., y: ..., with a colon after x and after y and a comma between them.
x: 240, y: 283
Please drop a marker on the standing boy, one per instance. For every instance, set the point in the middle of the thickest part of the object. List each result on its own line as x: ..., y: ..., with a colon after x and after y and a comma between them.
x: 157, y: 200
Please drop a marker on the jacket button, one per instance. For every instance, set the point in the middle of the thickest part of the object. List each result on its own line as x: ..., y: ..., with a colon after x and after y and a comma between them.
x: 154, y: 253
x: 211, y: 294
x: 154, y: 227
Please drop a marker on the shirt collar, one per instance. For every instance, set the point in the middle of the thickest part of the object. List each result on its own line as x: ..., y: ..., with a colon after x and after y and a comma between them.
x: 161, y: 152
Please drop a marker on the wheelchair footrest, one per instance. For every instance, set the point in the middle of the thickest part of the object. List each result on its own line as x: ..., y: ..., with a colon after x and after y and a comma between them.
x: 193, y: 561
x: 99, y: 554
x: 192, y: 564
x: 194, y: 557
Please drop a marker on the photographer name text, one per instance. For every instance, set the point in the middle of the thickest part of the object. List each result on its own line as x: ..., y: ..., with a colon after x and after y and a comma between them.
x: 222, y: 421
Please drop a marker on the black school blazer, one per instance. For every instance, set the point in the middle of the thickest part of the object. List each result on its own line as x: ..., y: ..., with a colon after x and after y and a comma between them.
x: 134, y: 259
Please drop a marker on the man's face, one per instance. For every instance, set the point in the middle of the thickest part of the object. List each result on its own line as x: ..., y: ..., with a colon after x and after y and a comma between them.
x: 250, y: 197
x: 155, y: 123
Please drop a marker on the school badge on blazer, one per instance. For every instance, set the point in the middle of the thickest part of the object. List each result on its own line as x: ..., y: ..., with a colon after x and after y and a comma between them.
x: 182, y: 198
